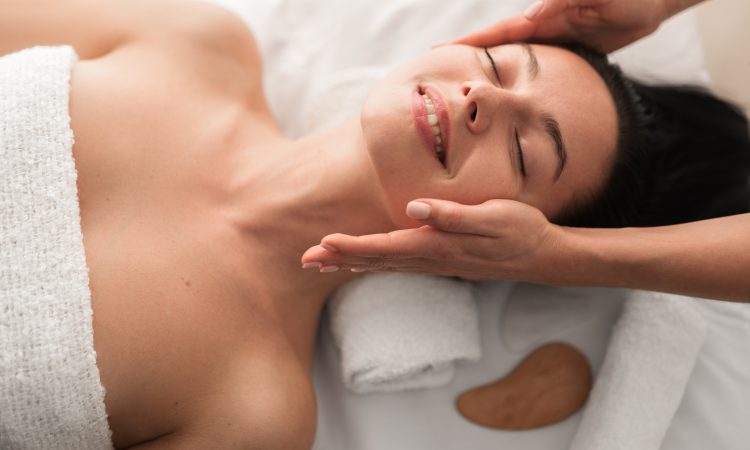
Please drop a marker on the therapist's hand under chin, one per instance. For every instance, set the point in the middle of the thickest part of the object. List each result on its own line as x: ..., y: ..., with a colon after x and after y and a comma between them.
x: 499, y: 239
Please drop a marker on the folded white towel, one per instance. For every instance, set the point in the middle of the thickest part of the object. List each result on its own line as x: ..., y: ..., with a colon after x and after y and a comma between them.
x: 649, y: 360
x: 403, y: 331
x: 50, y: 393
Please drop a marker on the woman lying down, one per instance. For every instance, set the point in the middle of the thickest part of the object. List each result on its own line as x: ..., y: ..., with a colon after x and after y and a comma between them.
x: 195, y: 209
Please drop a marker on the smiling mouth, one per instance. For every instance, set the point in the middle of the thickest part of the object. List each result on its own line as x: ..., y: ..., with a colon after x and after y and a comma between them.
x: 432, y: 119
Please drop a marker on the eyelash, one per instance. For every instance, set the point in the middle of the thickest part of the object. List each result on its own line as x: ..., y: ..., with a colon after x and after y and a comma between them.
x: 494, y: 66
x: 520, y: 155
x: 519, y: 149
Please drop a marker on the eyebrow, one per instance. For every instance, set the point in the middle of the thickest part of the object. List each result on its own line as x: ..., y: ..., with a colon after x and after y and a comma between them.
x: 532, y: 62
x: 551, y: 126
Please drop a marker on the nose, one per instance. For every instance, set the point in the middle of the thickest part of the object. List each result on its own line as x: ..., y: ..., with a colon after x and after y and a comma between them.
x: 483, y: 103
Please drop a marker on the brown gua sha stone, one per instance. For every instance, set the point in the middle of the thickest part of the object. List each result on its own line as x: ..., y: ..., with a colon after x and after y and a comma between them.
x: 549, y: 385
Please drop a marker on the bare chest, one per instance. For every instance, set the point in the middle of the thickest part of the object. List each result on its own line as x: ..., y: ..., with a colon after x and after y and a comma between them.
x: 150, y: 141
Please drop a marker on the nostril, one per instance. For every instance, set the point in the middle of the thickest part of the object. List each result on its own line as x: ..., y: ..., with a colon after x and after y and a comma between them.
x: 473, y: 109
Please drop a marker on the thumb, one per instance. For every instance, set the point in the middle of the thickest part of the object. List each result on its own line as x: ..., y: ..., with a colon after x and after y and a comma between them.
x: 513, y: 29
x: 454, y: 217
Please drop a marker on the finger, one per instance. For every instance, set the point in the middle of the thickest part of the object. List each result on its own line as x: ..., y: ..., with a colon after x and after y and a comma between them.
x: 399, y: 244
x: 316, y: 254
x: 314, y: 259
x: 552, y: 8
x: 513, y: 29
x: 420, y: 265
x: 482, y: 220
x: 588, y: 13
x: 426, y: 265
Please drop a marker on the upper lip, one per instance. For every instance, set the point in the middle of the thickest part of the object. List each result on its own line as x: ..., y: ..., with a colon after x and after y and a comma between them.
x: 442, y: 111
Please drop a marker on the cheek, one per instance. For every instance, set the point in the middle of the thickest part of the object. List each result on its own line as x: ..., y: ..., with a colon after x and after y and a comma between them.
x: 383, y: 129
x: 484, y: 176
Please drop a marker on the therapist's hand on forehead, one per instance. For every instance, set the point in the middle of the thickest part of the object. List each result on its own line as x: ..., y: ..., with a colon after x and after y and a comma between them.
x: 605, y: 25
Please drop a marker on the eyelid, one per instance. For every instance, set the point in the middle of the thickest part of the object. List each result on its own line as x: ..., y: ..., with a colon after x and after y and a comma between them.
x: 519, y: 148
x: 494, y: 66
x: 519, y: 151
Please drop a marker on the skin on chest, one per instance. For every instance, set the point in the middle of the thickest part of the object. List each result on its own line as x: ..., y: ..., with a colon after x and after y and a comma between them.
x: 148, y: 143
x: 174, y: 339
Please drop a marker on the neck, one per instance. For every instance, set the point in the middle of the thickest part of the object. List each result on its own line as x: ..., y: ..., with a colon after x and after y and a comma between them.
x: 288, y: 195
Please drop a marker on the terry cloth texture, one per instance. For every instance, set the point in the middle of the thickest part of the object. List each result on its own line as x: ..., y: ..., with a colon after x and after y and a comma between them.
x: 399, y: 332
x: 650, y: 357
x: 51, y: 396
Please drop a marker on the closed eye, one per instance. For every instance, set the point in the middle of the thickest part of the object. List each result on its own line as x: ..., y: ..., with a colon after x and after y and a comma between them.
x: 519, y: 150
x: 494, y: 66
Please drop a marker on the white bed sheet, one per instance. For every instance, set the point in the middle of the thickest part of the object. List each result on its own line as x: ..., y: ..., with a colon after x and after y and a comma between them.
x: 713, y: 414
x: 319, y: 58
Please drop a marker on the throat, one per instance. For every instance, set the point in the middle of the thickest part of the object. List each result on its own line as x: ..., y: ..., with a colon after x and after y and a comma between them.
x: 283, y: 199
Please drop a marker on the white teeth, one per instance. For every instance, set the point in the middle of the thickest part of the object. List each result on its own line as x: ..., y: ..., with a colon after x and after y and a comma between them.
x: 432, y: 119
x: 431, y: 116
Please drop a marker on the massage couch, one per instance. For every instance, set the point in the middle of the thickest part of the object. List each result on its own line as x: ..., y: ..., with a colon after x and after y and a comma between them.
x: 394, y: 351
x: 342, y: 47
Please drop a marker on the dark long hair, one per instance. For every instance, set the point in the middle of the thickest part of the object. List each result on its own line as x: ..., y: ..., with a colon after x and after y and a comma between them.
x: 682, y: 155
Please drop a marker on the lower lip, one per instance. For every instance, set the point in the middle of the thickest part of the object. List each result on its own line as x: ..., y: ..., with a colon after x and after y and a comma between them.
x: 419, y: 110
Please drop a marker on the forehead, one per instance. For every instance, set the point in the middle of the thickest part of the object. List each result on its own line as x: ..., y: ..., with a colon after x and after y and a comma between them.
x: 571, y: 91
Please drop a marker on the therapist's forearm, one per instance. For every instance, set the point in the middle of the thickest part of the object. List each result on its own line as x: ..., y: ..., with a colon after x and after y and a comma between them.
x: 709, y: 258
x: 676, y: 6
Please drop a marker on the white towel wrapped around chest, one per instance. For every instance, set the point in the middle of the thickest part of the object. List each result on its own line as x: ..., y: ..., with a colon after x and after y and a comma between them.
x: 50, y: 392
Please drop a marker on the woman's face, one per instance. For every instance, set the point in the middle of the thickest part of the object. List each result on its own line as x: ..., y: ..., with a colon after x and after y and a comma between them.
x: 543, y: 101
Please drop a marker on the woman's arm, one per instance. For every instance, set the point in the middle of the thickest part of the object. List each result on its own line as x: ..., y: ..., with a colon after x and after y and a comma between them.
x: 709, y: 258
x: 505, y: 239
x: 96, y: 27
x: 93, y: 27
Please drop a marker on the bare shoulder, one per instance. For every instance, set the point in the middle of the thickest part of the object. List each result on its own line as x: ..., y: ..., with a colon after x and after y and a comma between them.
x: 206, y: 42
x: 193, y: 45
x: 97, y: 27
x: 187, y: 23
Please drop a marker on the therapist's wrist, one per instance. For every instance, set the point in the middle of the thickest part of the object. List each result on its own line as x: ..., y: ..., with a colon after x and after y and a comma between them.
x: 559, y: 259
x: 581, y: 257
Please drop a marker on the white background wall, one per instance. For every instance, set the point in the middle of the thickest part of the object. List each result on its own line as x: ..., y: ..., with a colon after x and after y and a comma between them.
x: 725, y: 29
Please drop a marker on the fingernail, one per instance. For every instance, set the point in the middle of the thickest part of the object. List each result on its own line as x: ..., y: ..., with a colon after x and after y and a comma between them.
x: 329, y: 268
x: 310, y: 265
x: 357, y: 269
x: 533, y: 10
x: 330, y: 248
x: 418, y: 210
